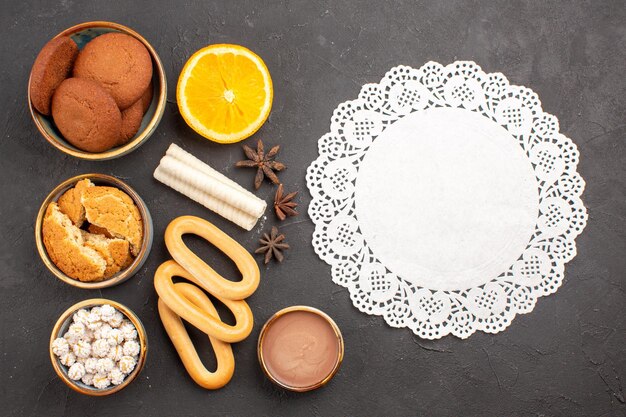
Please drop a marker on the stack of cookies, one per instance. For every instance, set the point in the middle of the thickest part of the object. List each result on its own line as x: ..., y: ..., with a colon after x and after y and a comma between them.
x: 96, y: 96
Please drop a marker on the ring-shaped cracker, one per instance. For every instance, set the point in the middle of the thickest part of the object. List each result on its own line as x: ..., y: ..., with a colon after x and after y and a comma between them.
x: 184, y: 346
x: 207, y: 277
x: 196, y: 316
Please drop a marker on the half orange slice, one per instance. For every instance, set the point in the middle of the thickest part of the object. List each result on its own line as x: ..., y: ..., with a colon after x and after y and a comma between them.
x: 225, y: 92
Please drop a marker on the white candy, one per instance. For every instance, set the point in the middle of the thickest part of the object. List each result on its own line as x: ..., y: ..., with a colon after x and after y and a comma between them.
x: 127, y: 364
x: 87, y: 379
x: 104, y: 365
x: 116, y: 337
x: 94, y: 325
x: 76, y: 371
x: 116, y: 319
x: 102, y: 332
x: 101, y: 381
x: 82, y: 349
x: 88, y: 336
x: 116, y: 353
x: 106, y: 312
x: 68, y: 359
x: 76, y: 331
x: 94, y: 320
x: 94, y: 344
x: 126, y: 323
x: 128, y: 330
x: 81, y: 316
x: 60, y: 346
x: 131, y: 348
x: 90, y: 365
x: 100, y: 348
x: 116, y: 376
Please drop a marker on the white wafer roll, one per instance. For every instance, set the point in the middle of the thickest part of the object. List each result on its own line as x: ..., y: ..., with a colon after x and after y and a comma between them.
x: 227, y: 211
x: 185, y: 157
x: 209, y: 185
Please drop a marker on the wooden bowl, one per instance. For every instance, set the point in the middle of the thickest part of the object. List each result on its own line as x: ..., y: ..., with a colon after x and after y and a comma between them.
x: 146, y: 244
x: 61, y: 327
x: 82, y: 34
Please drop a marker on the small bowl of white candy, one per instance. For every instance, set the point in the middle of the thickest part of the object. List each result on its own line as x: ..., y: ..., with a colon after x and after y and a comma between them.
x: 98, y: 347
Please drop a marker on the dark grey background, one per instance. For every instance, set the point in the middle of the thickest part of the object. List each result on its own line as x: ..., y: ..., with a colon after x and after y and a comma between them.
x: 566, y: 358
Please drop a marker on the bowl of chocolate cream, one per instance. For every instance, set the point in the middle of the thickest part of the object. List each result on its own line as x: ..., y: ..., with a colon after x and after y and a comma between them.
x: 300, y: 348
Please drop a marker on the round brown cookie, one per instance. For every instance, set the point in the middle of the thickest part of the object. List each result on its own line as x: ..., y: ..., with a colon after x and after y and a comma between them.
x: 120, y: 63
x: 133, y: 116
x: 146, y: 98
x: 51, y: 67
x: 86, y: 115
x: 131, y: 121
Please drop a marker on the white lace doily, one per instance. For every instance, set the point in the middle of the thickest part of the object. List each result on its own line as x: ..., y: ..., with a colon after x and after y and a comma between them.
x: 446, y: 200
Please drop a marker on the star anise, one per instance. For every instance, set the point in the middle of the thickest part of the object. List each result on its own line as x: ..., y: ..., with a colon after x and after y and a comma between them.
x: 272, y: 245
x: 263, y: 162
x: 283, y: 204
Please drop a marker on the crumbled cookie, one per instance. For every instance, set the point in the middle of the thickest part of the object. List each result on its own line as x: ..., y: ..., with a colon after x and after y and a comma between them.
x: 114, y: 210
x: 70, y: 204
x: 65, y: 247
x: 116, y: 252
x: 51, y: 67
x: 96, y: 230
x: 119, y: 62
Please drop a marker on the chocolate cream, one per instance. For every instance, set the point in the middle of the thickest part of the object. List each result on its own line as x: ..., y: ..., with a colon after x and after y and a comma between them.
x: 300, y: 349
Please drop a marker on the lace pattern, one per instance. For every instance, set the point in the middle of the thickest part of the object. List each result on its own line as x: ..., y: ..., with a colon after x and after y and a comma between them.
x: 374, y: 289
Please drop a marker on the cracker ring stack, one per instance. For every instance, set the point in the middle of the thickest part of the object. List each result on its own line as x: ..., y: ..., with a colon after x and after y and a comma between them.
x: 178, y: 301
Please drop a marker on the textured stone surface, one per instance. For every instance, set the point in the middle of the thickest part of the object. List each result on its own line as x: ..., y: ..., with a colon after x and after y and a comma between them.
x: 566, y: 358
